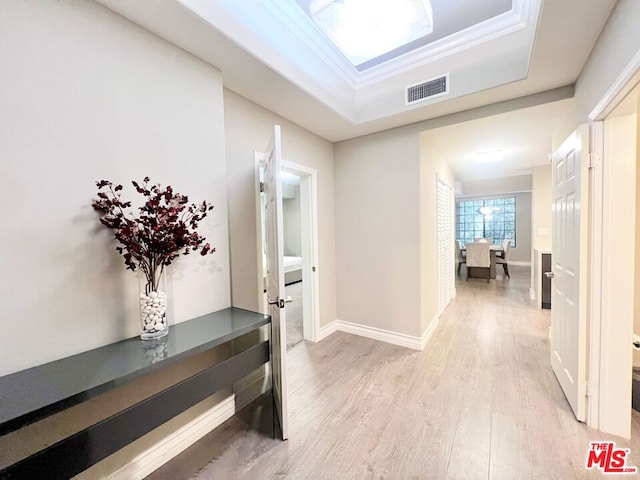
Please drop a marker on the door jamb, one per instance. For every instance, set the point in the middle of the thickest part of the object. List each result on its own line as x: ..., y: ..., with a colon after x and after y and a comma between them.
x: 259, y: 205
x: 309, y: 175
x: 309, y: 198
x: 599, y: 351
x: 595, y: 278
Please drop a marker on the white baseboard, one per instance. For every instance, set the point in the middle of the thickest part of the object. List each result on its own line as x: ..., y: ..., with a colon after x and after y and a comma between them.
x: 374, y: 333
x: 395, y: 338
x: 532, y: 294
x: 156, y: 456
x: 428, y: 333
x: 519, y: 263
x: 328, y: 330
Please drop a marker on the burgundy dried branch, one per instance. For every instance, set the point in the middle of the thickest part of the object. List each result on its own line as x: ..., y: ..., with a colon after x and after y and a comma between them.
x: 165, y: 228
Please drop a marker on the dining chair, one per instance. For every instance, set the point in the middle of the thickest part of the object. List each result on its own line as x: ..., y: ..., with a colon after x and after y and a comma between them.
x: 483, y: 240
x: 479, y: 258
x: 460, y: 258
x: 504, y: 260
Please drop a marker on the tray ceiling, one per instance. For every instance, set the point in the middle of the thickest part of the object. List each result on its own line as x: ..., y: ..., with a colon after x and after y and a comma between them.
x: 272, y: 53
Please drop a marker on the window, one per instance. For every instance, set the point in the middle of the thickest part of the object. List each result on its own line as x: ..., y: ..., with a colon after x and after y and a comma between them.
x: 488, y: 217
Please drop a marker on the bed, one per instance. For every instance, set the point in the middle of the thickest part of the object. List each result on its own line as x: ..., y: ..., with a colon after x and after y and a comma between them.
x: 292, y: 270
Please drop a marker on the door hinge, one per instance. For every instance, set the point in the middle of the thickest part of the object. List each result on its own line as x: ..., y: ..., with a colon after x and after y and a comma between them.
x: 589, y: 162
x: 261, y: 187
x: 313, y: 269
x: 594, y: 160
x: 587, y: 388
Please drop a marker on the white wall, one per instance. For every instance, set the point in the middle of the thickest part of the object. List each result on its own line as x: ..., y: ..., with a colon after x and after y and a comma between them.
x: 541, y: 216
x: 90, y: 96
x: 248, y: 128
x: 87, y: 95
x: 497, y: 186
x: 617, y: 45
x: 377, y: 191
x: 541, y: 204
x: 619, y: 41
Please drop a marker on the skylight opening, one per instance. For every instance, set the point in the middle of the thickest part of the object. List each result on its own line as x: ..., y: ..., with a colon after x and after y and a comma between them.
x: 365, y: 29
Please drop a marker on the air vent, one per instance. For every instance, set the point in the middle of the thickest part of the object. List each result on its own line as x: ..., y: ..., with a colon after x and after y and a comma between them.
x: 428, y: 89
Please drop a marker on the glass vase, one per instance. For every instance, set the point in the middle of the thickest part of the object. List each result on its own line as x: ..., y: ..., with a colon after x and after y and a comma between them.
x: 153, y: 305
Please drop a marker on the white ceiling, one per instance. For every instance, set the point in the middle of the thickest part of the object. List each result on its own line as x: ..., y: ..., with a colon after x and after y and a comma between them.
x: 223, y: 32
x: 523, y: 135
x: 269, y: 54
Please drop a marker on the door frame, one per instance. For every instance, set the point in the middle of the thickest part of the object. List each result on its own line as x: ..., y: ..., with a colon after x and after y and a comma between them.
x: 608, y: 387
x: 595, y: 255
x: 259, y: 208
x: 309, y: 223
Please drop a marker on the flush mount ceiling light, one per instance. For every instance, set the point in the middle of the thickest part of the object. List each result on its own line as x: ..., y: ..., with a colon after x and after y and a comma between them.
x: 491, y: 156
x: 365, y: 29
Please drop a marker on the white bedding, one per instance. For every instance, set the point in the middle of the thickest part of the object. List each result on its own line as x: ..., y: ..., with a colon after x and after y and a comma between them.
x: 292, y: 263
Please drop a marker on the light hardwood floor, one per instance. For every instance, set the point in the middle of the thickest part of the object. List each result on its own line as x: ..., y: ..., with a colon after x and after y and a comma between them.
x: 480, y: 402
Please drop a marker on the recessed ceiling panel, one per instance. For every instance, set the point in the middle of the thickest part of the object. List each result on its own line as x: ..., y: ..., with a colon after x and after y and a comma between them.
x: 272, y: 53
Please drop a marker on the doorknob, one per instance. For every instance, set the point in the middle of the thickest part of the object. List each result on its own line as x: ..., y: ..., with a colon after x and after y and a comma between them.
x: 288, y: 300
x: 279, y: 301
x: 549, y: 274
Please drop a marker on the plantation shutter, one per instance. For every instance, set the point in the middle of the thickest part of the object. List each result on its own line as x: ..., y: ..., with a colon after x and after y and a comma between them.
x: 445, y: 245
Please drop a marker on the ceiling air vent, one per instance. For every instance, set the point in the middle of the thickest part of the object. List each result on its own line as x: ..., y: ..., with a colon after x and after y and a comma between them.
x: 428, y: 89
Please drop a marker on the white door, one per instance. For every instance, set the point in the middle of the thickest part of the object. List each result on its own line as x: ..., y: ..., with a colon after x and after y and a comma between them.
x: 569, y: 257
x: 275, y: 277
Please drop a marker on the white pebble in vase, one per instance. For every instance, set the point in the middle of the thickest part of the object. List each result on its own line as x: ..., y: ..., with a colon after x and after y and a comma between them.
x: 153, y: 315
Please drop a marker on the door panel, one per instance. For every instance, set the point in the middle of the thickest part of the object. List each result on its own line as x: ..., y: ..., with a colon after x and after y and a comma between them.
x: 446, y: 238
x: 275, y: 277
x: 569, y: 314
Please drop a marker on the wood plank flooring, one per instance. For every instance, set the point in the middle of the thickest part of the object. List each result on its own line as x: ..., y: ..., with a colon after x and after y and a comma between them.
x: 480, y: 402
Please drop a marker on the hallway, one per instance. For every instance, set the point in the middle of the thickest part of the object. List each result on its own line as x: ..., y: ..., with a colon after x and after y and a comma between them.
x: 480, y: 402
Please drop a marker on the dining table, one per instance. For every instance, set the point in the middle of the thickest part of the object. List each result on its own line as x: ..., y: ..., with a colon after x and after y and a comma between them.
x: 494, y: 251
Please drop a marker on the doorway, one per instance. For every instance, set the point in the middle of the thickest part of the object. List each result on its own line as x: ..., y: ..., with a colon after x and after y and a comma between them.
x: 616, y: 284
x: 299, y: 207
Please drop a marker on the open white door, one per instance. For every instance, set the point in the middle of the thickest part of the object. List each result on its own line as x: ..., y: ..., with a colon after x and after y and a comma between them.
x: 275, y: 277
x: 570, y: 241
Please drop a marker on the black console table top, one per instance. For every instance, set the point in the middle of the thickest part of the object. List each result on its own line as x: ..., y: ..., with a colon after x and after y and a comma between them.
x: 35, y: 393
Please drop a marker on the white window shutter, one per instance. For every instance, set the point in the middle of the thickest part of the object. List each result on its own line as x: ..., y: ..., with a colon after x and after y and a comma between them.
x: 445, y: 245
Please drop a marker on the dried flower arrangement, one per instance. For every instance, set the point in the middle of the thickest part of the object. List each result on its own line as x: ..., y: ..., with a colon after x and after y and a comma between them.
x: 164, y: 229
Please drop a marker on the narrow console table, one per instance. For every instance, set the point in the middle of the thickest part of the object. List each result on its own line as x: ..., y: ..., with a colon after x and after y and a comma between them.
x: 38, y: 392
